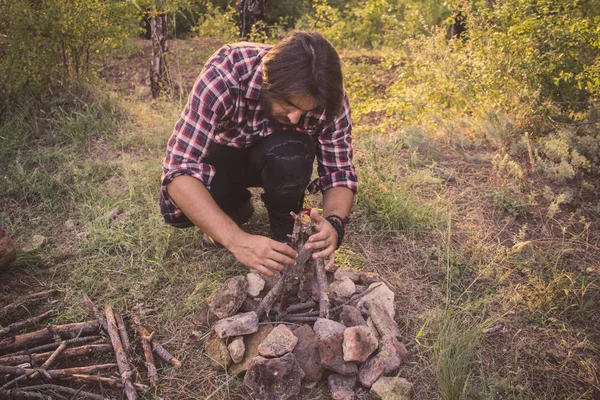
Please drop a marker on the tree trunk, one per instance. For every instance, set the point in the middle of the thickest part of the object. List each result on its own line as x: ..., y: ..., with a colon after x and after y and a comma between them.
x: 250, y: 12
x: 158, y: 69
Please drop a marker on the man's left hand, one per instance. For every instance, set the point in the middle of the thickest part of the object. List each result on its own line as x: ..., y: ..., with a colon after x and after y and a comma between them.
x: 325, y: 239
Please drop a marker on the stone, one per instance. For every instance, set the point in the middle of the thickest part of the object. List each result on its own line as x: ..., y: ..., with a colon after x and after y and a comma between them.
x: 227, y: 300
x: 251, y: 342
x: 392, y: 352
x: 351, y: 273
x: 237, y: 349
x: 345, y: 287
x: 8, y: 253
x: 307, y: 354
x: 249, y: 304
x: 384, y: 323
x: 324, y: 327
x: 371, y: 326
x: 350, y: 316
x: 205, y: 318
x: 240, y: 324
x: 217, y: 352
x: 370, y: 371
x: 359, y: 343
x: 341, y: 387
x: 391, y: 388
x: 36, y: 243
x: 255, y: 284
x: 381, y: 294
x: 275, y: 378
x: 331, y: 354
x: 369, y: 277
x: 281, y: 340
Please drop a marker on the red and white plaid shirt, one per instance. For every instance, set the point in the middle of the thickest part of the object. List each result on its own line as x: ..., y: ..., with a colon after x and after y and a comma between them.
x: 224, y: 107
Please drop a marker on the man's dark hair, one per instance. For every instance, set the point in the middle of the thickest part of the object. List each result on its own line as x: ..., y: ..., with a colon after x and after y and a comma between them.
x: 305, y: 63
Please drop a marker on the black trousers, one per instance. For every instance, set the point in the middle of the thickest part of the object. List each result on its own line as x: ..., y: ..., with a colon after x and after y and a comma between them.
x: 281, y: 163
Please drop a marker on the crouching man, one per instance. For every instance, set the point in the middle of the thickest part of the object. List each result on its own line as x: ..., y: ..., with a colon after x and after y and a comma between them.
x: 257, y: 116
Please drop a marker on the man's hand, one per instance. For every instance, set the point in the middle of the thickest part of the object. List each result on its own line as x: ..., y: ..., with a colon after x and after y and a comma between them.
x: 325, y: 239
x: 263, y: 254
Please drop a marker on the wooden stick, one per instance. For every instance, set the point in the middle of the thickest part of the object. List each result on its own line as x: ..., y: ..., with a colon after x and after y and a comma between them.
x: 97, y: 314
x: 72, y: 393
x: 305, y: 314
x: 17, y: 326
x: 47, y: 334
x: 51, y: 346
x: 160, y: 351
x: 147, y: 346
x: 20, y: 394
x: 123, y: 333
x: 38, y: 358
x: 300, y: 319
x: 323, y: 288
x: 120, y: 353
x: 36, y: 296
x: 267, y: 302
x: 300, y: 306
x: 57, y: 373
x: 52, y: 358
x: 113, y: 382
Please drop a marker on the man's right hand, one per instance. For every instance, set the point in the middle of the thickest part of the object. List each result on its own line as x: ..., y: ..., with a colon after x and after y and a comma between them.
x: 262, y: 254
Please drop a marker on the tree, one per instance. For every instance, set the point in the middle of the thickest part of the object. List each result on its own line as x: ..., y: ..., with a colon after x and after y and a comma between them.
x: 251, y: 11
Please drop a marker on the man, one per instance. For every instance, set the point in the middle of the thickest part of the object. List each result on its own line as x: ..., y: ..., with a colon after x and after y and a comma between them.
x: 257, y: 117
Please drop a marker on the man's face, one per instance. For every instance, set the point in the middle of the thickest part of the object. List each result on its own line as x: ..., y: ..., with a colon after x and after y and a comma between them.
x: 289, y: 111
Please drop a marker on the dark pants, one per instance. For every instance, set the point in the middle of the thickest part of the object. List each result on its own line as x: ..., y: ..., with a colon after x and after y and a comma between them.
x: 281, y: 163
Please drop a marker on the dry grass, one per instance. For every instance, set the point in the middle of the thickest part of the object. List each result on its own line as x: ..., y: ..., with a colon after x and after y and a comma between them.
x: 535, y: 276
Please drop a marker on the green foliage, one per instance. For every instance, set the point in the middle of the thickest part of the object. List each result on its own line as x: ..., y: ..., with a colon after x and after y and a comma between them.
x: 42, y: 42
x: 218, y: 24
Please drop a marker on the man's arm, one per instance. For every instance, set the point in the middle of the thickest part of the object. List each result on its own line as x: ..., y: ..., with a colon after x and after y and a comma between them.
x: 257, y: 252
x: 336, y: 201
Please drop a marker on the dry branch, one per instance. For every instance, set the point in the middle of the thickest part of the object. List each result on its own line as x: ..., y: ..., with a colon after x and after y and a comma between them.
x: 47, y: 334
x: 72, y: 393
x: 120, y: 353
x: 52, y: 346
x: 97, y: 314
x: 147, y: 346
x: 17, y: 326
x: 23, y: 300
x: 38, y: 358
x: 161, y: 351
x: 20, y: 394
x: 123, y: 333
x: 323, y: 288
x: 56, y: 373
x: 300, y: 306
x: 300, y: 319
x: 270, y: 298
x: 52, y: 358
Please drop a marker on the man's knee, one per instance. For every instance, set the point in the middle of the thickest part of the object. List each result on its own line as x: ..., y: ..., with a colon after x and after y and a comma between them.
x: 289, y: 162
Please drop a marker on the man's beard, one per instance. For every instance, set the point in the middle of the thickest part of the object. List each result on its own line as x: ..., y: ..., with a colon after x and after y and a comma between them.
x: 267, y: 105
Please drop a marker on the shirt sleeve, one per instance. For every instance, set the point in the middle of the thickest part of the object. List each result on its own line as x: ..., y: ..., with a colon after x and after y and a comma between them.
x: 209, y: 102
x: 334, y: 155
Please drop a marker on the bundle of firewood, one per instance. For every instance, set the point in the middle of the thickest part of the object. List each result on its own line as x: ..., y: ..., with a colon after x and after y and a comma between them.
x: 307, y: 325
x: 28, y: 360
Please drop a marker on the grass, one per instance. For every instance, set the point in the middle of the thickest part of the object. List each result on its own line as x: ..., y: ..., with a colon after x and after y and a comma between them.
x: 426, y: 219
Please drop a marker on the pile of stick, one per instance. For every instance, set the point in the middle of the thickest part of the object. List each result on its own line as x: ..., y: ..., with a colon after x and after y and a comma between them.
x: 28, y: 360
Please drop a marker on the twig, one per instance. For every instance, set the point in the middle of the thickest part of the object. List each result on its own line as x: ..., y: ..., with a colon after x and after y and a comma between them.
x: 323, y: 288
x: 300, y: 306
x: 51, y: 346
x: 300, y: 319
x: 267, y: 302
x: 147, y: 346
x: 20, y: 394
x: 123, y: 333
x: 305, y: 314
x: 72, y: 393
x: 37, y: 358
x: 122, y: 362
x: 36, y: 296
x: 17, y: 326
x: 97, y: 314
x: 160, y: 351
x: 67, y: 331
x: 52, y: 358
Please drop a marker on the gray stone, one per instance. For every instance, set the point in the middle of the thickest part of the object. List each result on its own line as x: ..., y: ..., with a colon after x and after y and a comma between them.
x: 281, y: 340
x: 351, y: 273
x: 359, y: 343
x: 307, y: 354
x: 205, y: 318
x: 371, y: 326
x: 345, y: 288
x: 350, y: 316
x: 240, y: 324
x: 36, y: 243
x: 276, y: 378
x: 370, y: 371
x: 391, y: 388
x: 392, y: 352
x: 381, y: 294
x: 341, y: 387
x: 237, y: 349
x: 255, y: 284
x: 251, y: 342
x: 331, y: 354
x: 217, y: 352
x: 384, y: 323
x: 324, y: 327
x: 227, y: 300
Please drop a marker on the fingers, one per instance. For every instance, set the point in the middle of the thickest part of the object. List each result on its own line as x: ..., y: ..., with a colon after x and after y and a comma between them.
x: 281, y: 258
x: 285, y: 250
x: 330, y: 262
x: 262, y: 270
x: 322, y: 235
x: 326, y: 252
x: 314, y: 214
x: 317, y: 245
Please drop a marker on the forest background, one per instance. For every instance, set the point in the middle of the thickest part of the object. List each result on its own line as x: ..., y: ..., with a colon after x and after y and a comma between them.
x: 477, y: 142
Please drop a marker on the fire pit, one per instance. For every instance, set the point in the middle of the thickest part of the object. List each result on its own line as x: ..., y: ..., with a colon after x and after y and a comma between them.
x: 306, y: 325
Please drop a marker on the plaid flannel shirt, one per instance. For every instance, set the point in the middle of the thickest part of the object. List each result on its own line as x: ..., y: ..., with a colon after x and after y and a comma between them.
x: 225, y: 107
